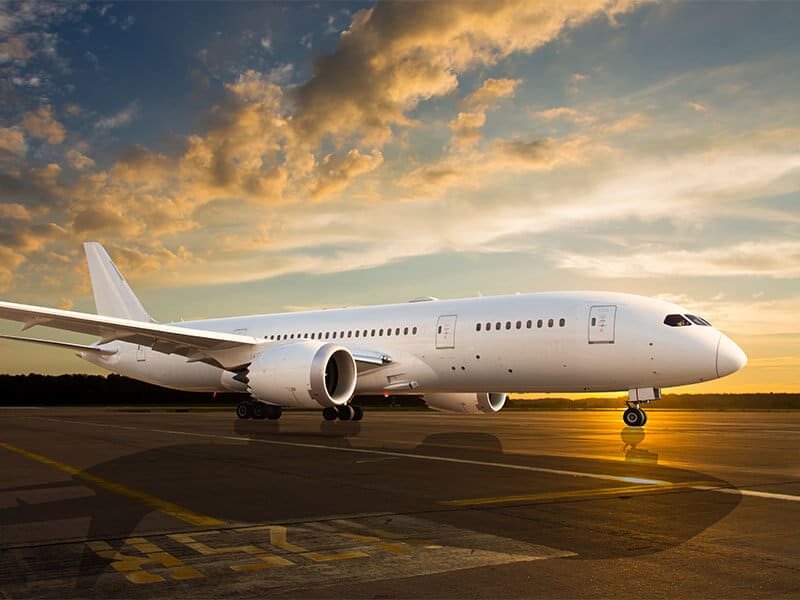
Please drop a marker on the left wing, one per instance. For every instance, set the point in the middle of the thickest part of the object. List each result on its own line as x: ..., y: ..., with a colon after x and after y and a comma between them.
x: 227, y: 350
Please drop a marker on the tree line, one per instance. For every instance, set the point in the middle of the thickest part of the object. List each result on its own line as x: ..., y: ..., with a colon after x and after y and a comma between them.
x: 112, y: 389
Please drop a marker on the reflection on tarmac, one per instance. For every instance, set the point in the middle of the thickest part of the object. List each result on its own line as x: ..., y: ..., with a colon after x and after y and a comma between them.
x: 632, y: 438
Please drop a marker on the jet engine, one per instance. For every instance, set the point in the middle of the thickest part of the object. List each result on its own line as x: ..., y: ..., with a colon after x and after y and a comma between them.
x: 471, y: 404
x: 303, y: 375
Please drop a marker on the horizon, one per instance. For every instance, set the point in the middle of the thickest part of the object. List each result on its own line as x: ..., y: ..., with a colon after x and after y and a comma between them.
x: 245, y: 158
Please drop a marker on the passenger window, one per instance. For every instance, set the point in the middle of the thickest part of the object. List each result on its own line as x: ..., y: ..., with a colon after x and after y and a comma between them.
x: 373, y: 333
x: 529, y: 324
x: 676, y: 321
x: 497, y: 326
x: 439, y: 330
x: 350, y: 333
x: 519, y: 324
x: 594, y: 321
x: 334, y: 335
x: 397, y: 331
x: 357, y: 332
x: 488, y: 327
x: 478, y: 327
x: 539, y: 323
x: 508, y: 324
x: 549, y: 322
x: 327, y: 334
x: 380, y: 332
x: 305, y: 336
x: 365, y: 333
x: 405, y: 330
x: 414, y: 331
x: 389, y: 331
x: 562, y: 322
x: 341, y: 335
x: 291, y: 337
x: 312, y: 335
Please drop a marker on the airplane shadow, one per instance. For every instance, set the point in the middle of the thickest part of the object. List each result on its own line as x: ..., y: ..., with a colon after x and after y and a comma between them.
x: 267, y: 481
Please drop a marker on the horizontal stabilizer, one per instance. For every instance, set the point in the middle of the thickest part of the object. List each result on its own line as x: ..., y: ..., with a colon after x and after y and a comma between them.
x: 67, y: 345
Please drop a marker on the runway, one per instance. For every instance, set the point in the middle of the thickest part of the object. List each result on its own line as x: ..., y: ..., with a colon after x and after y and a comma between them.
x: 111, y: 503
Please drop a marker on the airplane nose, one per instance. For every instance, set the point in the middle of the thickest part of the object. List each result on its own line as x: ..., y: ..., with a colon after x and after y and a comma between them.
x: 730, y: 358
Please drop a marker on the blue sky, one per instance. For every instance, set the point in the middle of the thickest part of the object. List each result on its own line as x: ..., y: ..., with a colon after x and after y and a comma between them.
x: 254, y: 157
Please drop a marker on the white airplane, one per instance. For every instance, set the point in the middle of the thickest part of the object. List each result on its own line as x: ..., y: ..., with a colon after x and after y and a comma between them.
x: 462, y: 355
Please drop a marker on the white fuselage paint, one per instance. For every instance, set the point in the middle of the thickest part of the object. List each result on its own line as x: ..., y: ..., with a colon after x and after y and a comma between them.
x: 628, y: 347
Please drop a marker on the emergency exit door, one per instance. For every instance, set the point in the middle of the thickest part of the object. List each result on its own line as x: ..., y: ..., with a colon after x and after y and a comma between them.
x: 446, y: 332
x: 601, y: 324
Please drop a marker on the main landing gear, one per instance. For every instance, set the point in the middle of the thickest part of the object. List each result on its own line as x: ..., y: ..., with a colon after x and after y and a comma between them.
x: 347, y: 412
x: 257, y: 410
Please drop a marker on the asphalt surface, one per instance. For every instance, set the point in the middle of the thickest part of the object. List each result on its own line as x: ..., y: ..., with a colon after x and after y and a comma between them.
x: 102, y: 503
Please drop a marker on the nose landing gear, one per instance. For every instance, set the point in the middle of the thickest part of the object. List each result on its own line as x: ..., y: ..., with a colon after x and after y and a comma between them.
x: 634, y: 416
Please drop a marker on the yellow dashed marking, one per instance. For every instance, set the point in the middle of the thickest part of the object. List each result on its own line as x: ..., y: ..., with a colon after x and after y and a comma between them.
x: 164, y: 506
x: 133, y: 566
x: 266, y: 559
x: 575, y: 494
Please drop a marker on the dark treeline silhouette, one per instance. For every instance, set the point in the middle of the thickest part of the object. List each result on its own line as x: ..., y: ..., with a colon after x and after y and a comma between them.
x: 116, y: 390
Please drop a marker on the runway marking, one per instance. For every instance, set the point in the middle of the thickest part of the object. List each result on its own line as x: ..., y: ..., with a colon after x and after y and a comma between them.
x: 754, y: 493
x: 174, y: 510
x: 579, y: 494
x: 133, y: 566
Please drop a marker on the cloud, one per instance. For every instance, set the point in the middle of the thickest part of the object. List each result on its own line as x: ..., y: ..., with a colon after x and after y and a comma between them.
x: 696, y: 106
x: 124, y: 117
x: 466, y: 127
x: 12, y: 140
x: 77, y: 160
x: 41, y: 124
x: 396, y: 55
x: 566, y: 113
x: 777, y: 259
x: 15, y: 211
x: 336, y: 170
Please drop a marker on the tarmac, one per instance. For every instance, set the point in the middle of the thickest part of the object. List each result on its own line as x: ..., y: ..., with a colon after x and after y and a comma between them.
x: 132, y: 503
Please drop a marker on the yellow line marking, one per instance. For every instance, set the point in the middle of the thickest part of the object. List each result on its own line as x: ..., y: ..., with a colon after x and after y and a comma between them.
x: 168, y: 508
x: 278, y: 538
x: 573, y: 494
x: 266, y: 560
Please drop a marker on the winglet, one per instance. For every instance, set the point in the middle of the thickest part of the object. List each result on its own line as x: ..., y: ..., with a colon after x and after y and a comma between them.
x: 113, y: 297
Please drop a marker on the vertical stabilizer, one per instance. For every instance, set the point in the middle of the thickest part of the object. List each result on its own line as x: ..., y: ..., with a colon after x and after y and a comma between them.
x: 113, y: 297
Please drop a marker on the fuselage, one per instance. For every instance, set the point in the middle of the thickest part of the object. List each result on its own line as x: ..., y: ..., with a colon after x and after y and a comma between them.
x: 543, y: 342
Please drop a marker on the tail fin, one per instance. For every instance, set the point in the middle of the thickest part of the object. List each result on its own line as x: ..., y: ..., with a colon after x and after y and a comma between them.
x: 113, y: 297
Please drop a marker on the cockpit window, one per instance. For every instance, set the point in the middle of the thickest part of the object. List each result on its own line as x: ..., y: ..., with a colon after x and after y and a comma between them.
x: 677, y: 321
x: 698, y: 320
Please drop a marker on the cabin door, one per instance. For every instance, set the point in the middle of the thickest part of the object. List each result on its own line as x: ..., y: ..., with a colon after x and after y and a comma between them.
x: 601, y: 324
x: 446, y: 332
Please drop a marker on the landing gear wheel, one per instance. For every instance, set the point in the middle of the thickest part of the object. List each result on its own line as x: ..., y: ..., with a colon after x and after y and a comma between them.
x: 273, y: 411
x: 259, y: 410
x: 644, y: 414
x: 345, y: 412
x: 243, y: 410
x: 358, y: 413
x: 634, y: 417
x: 329, y: 413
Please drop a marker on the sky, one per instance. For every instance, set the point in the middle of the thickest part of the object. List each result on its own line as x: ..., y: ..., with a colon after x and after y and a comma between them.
x: 251, y: 157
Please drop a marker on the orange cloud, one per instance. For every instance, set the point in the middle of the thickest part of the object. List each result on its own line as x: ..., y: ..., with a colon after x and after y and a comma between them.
x: 41, y: 124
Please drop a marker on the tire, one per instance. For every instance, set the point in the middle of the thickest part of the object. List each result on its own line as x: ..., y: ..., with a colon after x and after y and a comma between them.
x: 259, y: 410
x: 273, y: 411
x: 345, y: 412
x: 243, y: 410
x: 633, y: 417
x: 358, y: 413
x: 329, y: 413
x: 644, y: 421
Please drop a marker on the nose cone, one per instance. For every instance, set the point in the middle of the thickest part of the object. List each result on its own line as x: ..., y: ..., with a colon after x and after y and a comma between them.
x: 730, y: 358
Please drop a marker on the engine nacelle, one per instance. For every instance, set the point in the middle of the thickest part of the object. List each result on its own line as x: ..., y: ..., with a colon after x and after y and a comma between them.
x: 470, y: 404
x: 303, y: 375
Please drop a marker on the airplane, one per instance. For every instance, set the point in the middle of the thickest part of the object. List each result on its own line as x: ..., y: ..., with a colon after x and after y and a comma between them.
x: 462, y: 355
